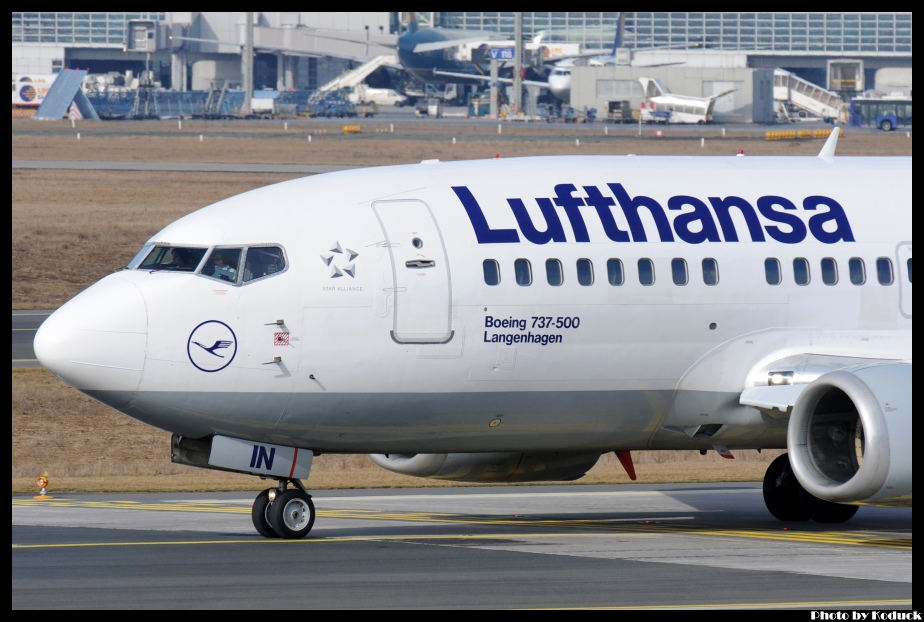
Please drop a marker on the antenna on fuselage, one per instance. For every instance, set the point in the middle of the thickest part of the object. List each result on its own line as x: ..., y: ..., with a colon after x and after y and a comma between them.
x: 827, y: 151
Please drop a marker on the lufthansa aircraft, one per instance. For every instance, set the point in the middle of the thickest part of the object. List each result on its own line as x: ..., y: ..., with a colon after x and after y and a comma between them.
x: 512, y: 320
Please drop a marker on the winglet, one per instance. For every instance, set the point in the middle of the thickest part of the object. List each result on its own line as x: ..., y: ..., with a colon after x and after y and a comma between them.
x: 827, y: 152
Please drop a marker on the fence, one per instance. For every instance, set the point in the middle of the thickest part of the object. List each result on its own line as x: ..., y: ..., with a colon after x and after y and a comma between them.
x: 142, y: 104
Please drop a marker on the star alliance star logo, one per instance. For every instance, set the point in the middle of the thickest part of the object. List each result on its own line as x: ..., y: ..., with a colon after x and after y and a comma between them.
x: 338, y: 254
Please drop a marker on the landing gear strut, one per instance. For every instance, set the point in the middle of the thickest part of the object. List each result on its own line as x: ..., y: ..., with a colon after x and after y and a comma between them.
x: 787, y: 500
x: 283, y: 512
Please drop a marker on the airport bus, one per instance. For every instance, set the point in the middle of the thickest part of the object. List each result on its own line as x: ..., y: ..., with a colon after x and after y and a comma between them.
x: 884, y: 113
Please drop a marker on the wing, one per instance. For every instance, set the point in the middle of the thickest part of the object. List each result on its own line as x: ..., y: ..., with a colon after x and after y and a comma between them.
x: 481, y: 78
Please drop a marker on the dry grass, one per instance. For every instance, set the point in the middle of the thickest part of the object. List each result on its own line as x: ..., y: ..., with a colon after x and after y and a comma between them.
x: 69, y: 228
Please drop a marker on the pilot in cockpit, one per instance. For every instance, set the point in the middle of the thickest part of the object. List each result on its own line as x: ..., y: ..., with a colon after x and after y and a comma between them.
x: 179, y: 259
x: 224, y: 270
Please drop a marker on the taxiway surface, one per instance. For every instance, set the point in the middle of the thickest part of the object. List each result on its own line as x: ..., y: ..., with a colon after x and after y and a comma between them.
x: 684, y: 546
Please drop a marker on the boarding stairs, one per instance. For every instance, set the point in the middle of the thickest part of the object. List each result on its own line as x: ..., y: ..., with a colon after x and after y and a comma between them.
x: 353, y: 77
x: 806, y: 99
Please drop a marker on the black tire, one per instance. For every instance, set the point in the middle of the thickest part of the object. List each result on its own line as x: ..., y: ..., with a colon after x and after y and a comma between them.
x: 823, y: 511
x: 783, y: 493
x: 292, y: 514
x: 260, y: 512
x: 886, y: 125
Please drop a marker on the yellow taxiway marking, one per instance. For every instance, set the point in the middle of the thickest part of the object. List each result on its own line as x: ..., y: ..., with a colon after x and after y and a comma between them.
x: 604, y: 527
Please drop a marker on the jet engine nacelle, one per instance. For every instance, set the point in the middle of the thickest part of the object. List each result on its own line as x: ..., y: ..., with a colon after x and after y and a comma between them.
x: 849, y: 435
x: 491, y: 467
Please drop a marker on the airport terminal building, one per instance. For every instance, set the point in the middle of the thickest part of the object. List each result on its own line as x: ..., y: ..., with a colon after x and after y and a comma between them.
x: 182, y: 51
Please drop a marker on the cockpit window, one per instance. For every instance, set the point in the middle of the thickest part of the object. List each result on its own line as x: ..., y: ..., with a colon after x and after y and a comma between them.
x: 174, y: 258
x: 223, y: 264
x: 139, y: 257
x: 233, y: 264
x: 262, y: 261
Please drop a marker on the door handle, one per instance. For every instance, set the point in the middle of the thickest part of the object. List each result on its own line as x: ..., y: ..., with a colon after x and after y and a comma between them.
x: 420, y: 263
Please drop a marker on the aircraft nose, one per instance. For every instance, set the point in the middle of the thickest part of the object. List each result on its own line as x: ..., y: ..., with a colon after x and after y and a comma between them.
x: 96, y: 342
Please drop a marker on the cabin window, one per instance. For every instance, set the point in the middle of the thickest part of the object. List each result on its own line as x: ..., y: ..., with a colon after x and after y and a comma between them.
x: 646, y: 273
x: 585, y: 272
x: 710, y: 271
x: 772, y: 271
x: 491, y: 271
x: 172, y: 258
x: 884, y: 270
x: 264, y: 261
x: 909, y: 269
x: 828, y: 271
x: 553, y: 272
x: 800, y: 271
x: 857, y: 271
x: 614, y: 271
x: 679, y: 271
x: 223, y: 264
x: 523, y: 272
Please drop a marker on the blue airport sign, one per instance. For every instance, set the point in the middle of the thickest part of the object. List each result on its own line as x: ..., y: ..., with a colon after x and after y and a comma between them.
x: 502, y: 53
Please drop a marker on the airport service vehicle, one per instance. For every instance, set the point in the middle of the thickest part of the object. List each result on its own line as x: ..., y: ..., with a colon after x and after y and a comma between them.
x: 368, y: 95
x: 29, y: 90
x: 885, y: 113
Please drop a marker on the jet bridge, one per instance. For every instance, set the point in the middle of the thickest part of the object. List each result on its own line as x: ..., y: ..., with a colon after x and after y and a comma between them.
x: 802, y: 99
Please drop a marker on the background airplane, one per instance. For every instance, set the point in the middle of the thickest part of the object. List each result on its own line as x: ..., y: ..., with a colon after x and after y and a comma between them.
x: 559, y: 77
x: 441, y: 56
x: 437, y: 56
x: 411, y: 60
x: 511, y: 320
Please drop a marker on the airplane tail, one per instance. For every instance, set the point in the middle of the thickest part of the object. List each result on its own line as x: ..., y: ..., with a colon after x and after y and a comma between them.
x: 620, y: 28
x: 411, y: 22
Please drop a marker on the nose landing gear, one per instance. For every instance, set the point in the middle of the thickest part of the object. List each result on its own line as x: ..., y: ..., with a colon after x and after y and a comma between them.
x: 283, y: 512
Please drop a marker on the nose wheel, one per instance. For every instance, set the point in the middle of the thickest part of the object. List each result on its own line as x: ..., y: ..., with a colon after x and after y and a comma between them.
x: 260, y: 514
x: 283, y: 512
x: 292, y: 514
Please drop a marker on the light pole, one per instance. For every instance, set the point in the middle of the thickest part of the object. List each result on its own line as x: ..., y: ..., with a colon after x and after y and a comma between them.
x: 247, y: 64
x: 517, y: 63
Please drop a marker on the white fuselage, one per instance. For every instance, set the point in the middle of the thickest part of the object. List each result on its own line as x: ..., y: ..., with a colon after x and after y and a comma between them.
x: 385, y: 331
x: 560, y: 81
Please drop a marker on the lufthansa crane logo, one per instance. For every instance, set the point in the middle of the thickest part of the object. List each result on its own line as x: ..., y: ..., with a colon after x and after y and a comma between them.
x: 211, y: 346
x: 340, y: 261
